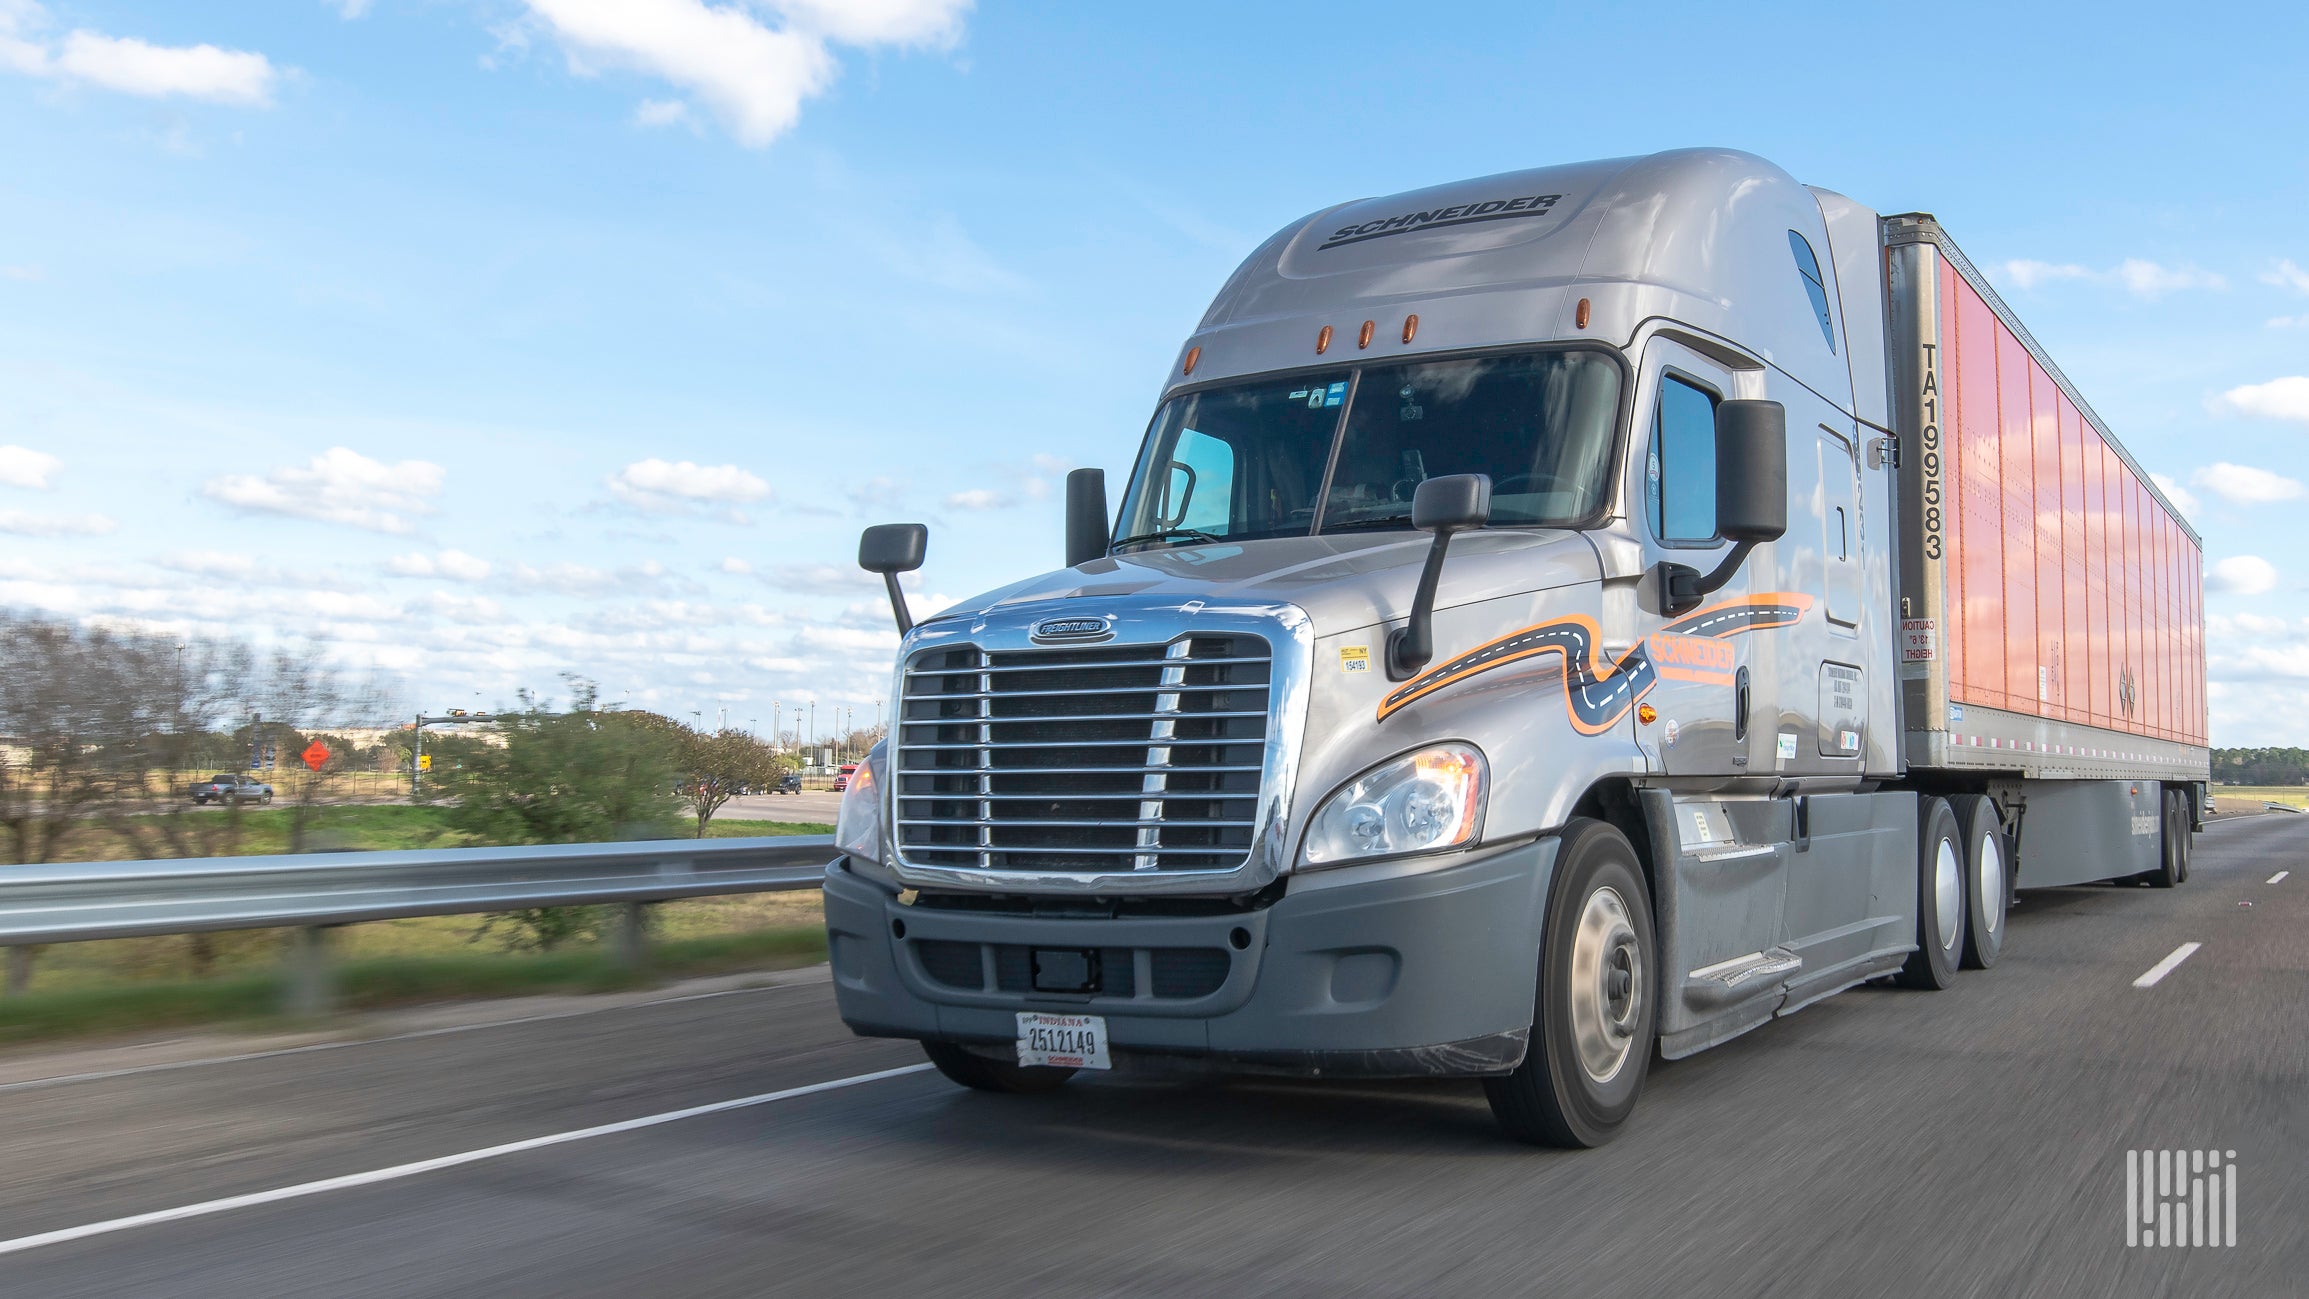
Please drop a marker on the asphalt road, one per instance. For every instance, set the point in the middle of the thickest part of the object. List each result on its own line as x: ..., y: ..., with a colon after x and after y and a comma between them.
x: 1969, y: 1142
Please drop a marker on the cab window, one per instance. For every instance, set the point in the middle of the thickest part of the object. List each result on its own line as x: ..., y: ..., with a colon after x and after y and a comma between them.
x: 1680, y: 470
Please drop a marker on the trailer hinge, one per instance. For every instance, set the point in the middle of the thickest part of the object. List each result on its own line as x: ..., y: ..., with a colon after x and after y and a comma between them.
x: 1884, y: 451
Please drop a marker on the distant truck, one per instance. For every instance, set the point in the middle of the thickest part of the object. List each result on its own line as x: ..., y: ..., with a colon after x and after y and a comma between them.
x: 1553, y: 618
x: 230, y: 789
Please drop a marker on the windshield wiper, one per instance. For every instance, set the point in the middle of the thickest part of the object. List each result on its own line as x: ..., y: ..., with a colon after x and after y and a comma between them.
x: 1368, y: 524
x: 1167, y: 534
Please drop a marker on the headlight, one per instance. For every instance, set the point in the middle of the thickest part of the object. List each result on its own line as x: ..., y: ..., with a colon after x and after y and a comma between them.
x: 1419, y: 802
x: 858, y: 830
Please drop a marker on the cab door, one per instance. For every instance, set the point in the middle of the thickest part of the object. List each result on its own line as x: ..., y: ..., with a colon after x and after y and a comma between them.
x: 1713, y: 702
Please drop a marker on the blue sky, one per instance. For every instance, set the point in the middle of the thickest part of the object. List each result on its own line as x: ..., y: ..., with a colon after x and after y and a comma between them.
x: 492, y: 339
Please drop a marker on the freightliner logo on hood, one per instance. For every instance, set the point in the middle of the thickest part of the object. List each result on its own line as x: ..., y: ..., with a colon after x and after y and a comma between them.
x: 1497, y: 209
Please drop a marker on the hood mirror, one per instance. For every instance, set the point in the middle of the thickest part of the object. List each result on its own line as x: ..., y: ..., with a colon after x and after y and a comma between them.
x: 1441, y: 506
x: 891, y: 549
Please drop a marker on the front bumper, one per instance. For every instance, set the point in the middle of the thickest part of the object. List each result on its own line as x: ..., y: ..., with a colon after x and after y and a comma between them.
x: 1419, y: 975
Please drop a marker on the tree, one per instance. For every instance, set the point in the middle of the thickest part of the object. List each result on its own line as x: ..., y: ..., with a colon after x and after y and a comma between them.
x: 718, y: 766
x: 584, y: 776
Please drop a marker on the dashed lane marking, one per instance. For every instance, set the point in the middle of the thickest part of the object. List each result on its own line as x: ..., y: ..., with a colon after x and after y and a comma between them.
x: 2165, y: 966
x: 2279, y: 877
x: 399, y: 1171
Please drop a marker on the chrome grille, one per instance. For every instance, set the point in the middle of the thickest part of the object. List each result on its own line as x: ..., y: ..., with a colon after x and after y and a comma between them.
x: 1087, y: 758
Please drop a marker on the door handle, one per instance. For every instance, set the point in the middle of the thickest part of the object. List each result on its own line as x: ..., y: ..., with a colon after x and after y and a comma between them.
x: 1740, y: 705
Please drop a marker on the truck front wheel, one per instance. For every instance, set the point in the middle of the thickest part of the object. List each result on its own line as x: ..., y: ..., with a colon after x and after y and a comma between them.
x: 974, y: 1071
x: 1597, y: 1004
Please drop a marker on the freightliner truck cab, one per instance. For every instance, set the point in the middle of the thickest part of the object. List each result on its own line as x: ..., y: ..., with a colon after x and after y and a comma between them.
x: 1488, y: 673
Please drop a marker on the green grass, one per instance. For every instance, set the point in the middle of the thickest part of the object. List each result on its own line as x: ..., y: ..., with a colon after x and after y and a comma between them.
x: 2255, y: 795
x: 720, y: 829
x: 253, y: 999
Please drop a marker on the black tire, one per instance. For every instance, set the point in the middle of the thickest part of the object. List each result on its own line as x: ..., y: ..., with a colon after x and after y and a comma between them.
x: 2173, y: 844
x: 1987, y: 878
x: 1939, y: 900
x: 1597, y: 1005
x: 961, y: 1065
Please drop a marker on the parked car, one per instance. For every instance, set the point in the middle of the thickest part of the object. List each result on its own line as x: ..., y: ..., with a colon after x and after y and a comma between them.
x: 789, y: 783
x: 230, y: 788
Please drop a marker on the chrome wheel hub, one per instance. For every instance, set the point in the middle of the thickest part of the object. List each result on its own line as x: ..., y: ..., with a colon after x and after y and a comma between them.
x: 1991, y: 883
x: 1606, y: 986
x: 1947, y: 892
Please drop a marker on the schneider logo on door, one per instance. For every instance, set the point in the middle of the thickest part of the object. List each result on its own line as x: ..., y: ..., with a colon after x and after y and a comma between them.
x: 1063, y: 629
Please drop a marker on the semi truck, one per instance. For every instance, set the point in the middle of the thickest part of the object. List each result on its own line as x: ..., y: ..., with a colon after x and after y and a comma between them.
x: 1554, y: 620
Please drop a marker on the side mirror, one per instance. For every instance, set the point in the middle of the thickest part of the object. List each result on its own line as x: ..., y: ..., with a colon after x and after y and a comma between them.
x: 1751, y: 471
x: 1751, y: 497
x: 1086, y: 517
x: 1442, y: 506
x: 891, y: 549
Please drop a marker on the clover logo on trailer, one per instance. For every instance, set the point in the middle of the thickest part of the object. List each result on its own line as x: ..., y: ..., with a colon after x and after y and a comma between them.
x: 2180, y: 1197
x: 2126, y: 693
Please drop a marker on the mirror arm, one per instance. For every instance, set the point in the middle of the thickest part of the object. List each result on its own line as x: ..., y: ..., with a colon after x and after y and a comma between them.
x: 1682, y: 587
x: 1413, y: 644
x: 898, y: 603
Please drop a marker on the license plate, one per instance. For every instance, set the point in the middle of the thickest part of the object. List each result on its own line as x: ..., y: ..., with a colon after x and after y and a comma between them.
x: 1063, y: 1041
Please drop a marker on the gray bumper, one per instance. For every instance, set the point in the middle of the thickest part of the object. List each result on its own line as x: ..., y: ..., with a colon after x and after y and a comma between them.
x: 1421, y: 975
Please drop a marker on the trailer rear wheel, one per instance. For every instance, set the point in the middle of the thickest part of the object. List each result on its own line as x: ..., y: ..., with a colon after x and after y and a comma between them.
x: 1939, y: 899
x: 2173, y: 851
x: 1596, y: 1009
x: 1987, y: 878
x: 962, y: 1065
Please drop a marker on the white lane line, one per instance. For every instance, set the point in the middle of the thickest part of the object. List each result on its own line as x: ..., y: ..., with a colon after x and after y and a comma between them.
x: 398, y: 1171
x: 2279, y: 877
x: 2165, y: 966
x: 166, y: 1066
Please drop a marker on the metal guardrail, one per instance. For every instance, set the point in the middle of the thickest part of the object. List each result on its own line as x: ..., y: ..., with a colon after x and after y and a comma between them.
x: 77, y: 901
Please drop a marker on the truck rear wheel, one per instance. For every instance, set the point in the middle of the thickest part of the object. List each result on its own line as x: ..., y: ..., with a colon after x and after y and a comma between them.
x: 975, y: 1071
x: 1939, y: 899
x: 1987, y: 878
x: 1596, y: 1008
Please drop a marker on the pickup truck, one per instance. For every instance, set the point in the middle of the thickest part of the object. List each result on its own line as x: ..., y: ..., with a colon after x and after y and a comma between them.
x: 229, y: 788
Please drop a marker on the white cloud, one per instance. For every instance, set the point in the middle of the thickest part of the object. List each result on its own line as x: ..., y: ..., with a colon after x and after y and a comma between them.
x: 733, y: 564
x: 661, y: 112
x: 680, y: 485
x: 2137, y: 276
x: 56, y: 525
x: 585, y: 580
x: 2286, y: 398
x: 977, y: 498
x: 2288, y: 322
x: 2242, y: 575
x: 22, y: 273
x: 131, y: 66
x: 351, y: 9
x: 210, y: 563
x: 455, y: 565
x: 2287, y: 275
x: 2245, y: 485
x: 338, y: 486
x: 753, y: 76
x: 24, y: 467
x: 2175, y: 493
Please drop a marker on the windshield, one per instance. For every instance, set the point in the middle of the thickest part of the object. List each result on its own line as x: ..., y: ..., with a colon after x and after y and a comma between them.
x: 1249, y: 460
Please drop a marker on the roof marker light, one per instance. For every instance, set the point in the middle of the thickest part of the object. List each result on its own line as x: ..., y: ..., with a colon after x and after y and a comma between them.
x: 1194, y: 354
x: 1323, y: 341
x: 1581, y: 318
x: 1363, y: 339
x: 1410, y: 327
